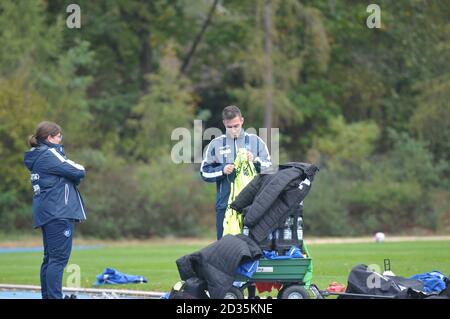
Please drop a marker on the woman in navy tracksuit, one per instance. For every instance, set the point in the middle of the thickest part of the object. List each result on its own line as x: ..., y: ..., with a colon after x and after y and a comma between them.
x: 57, y: 203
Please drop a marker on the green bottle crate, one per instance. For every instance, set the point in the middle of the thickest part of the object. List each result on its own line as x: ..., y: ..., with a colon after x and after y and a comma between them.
x: 280, y: 270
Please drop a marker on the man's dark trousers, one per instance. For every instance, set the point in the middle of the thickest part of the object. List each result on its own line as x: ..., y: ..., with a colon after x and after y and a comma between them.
x: 220, y: 216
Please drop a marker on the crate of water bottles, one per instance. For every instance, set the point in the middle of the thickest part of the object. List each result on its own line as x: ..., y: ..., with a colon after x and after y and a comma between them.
x: 288, y: 235
x: 291, y: 232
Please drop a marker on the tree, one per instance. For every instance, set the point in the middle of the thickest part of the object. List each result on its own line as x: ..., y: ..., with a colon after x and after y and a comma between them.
x: 430, y: 121
x: 350, y: 142
x: 168, y: 105
x: 21, y: 107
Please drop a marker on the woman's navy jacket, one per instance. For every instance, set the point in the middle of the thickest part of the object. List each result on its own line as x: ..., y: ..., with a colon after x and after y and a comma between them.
x: 54, y: 178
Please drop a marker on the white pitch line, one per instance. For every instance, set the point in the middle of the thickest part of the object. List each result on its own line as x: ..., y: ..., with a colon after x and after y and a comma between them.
x: 136, y: 293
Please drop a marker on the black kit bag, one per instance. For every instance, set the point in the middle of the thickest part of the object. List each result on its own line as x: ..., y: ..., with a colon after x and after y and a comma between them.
x: 364, y: 281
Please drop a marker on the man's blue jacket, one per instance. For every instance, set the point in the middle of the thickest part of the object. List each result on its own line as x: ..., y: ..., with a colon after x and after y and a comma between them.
x: 222, y: 151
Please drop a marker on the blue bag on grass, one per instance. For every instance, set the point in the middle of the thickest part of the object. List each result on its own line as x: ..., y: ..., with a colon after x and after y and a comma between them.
x: 113, y: 277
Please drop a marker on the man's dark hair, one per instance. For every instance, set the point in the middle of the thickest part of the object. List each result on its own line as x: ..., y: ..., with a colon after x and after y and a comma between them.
x: 230, y: 112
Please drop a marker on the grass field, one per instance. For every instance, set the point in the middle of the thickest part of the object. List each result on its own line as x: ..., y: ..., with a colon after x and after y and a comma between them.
x: 156, y: 261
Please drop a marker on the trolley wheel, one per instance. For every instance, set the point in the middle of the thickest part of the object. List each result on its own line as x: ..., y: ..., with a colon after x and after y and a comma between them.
x: 293, y: 292
x: 234, y: 293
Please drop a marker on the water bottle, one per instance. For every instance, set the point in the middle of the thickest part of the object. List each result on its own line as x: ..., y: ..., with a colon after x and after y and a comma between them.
x: 245, y: 231
x: 287, y: 232
x: 276, y: 235
x: 300, y: 228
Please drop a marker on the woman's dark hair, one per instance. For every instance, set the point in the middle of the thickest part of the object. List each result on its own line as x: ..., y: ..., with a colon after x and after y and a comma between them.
x: 230, y: 112
x: 43, y: 130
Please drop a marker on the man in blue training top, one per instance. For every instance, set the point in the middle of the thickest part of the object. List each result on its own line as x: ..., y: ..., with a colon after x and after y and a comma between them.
x: 217, y: 165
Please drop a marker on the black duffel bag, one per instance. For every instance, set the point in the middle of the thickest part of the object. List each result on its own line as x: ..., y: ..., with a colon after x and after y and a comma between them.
x: 363, y: 282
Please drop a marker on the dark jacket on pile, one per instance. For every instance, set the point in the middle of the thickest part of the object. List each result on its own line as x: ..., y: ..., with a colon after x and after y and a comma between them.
x: 272, y: 196
x: 217, y: 263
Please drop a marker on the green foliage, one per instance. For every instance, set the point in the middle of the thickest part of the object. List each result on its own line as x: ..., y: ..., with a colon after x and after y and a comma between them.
x: 351, y: 142
x: 136, y: 200
x: 431, y: 120
x: 167, y: 106
x: 390, y: 193
x: 65, y: 87
x: 25, y: 36
x: 325, y: 208
x: 417, y: 161
x: 16, y: 100
x: 289, y: 56
x: 20, y: 106
x: 383, y: 204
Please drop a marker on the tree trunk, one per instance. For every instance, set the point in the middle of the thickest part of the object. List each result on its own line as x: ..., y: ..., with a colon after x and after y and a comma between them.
x: 186, y: 63
x: 268, y: 76
x: 145, y: 60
